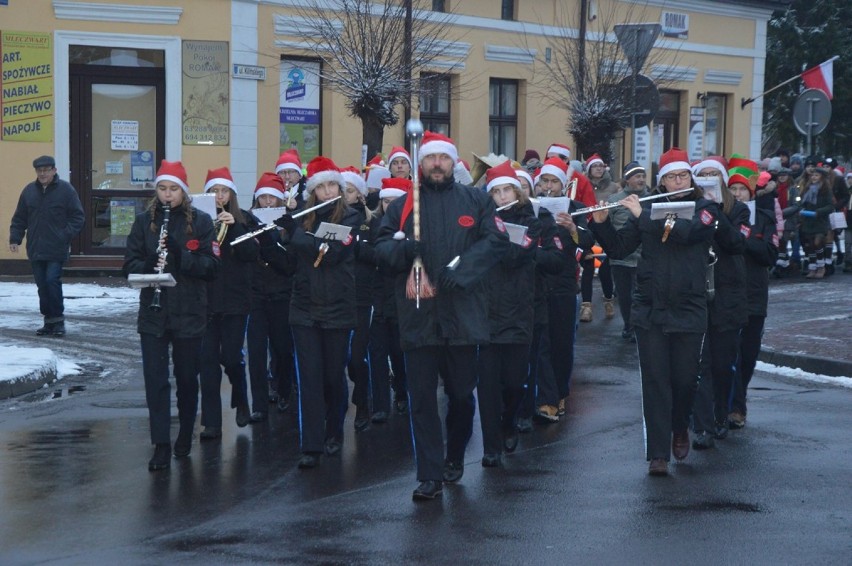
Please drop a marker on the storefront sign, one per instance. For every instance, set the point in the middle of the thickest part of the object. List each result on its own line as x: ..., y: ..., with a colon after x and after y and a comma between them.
x: 26, y: 79
x: 642, y: 147
x: 675, y: 25
x: 300, y: 107
x: 206, y: 93
x: 695, y: 142
x: 249, y: 72
x: 124, y: 135
x: 141, y: 167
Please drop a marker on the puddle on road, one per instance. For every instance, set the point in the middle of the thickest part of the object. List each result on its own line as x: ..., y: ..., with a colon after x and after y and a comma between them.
x: 713, y: 507
x: 68, y: 386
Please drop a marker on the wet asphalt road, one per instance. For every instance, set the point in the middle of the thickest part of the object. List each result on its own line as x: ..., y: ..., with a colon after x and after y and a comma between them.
x: 74, y: 485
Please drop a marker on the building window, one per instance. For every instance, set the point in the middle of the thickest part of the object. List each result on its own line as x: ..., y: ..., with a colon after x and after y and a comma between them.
x: 714, y: 123
x: 507, y: 10
x: 439, y: 6
x: 435, y: 103
x: 503, y: 116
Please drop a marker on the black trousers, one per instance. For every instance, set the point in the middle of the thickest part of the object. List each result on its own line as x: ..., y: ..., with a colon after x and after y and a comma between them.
x: 503, y: 369
x: 186, y: 353
x: 386, y: 353
x: 323, y: 391
x: 562, y: 314
x: 269, y: 332
x: 624, y: 279
x: 668, y: 363
x: 358, y: 365
x: 540, y: 371
x: 717, y: 372
x: 604, y: 274
x: 222, y: 347
x: 750, y: 339
x: 457, y: 367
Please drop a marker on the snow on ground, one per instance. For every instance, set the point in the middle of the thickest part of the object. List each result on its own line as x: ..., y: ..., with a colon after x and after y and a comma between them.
x: 21, y: 362
x: 796, y: 373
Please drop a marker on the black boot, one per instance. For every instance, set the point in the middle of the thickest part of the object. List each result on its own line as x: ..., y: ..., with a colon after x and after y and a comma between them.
x: 183, y: 444
x: 58, y: 329
x: 45, y: 330
x: 161, y: 458
x: 243, y: 415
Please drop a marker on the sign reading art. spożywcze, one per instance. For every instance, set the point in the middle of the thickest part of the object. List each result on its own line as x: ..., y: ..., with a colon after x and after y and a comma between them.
x: 26, y: 86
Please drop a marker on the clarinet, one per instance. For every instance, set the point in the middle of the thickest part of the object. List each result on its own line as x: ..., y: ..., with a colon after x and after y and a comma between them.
x: 162, y: 251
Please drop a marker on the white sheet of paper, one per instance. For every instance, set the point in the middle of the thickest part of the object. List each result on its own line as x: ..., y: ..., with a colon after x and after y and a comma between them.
x: 555, y: 204
x: 333, y: 232
x: 205, y: 202
x: 752, y: 213
x: 712, y: 188
x: 685, y: 210
x: 269, y: 215
x: 517, y: 232
x: 375, y: 176
x: 536, y: 205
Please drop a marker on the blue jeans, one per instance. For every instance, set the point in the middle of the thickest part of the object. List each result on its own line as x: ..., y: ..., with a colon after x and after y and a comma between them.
x: 48, y: 279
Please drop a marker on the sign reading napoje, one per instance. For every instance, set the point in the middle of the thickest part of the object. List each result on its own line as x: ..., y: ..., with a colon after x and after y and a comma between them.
x: 26, y: 79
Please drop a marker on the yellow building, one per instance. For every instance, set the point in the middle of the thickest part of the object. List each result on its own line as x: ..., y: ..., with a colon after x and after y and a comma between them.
x: 110, y: 88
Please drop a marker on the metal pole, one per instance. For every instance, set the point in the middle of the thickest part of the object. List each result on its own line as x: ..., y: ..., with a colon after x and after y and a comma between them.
x: 811, y: 102
x: 633, y: 101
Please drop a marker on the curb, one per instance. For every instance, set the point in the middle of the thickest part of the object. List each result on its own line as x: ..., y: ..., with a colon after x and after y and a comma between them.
x: 812, y: 364
x: 31, y: 381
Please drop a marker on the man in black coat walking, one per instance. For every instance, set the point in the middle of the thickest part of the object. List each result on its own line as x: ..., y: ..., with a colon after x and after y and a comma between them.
x: 49, y: 213
x: 459, y: 228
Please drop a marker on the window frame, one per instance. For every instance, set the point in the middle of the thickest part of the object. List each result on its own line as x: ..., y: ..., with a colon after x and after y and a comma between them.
x: 501, y: 121
x: 431, y: 118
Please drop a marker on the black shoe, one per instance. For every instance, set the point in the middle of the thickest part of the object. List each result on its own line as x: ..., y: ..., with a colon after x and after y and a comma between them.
x: 525, y: 425
x: 57, y: 330
x: 308, y: 461
x: 490, y: 461
x: 183, y: 444
x: 380, y: 417
x: 427, y: 491
x: 401, y: 405
x: 703, y: 441
x: 721, y: 432
x: 510, y: 440
x: 257, y: 417
x: 453, y: 471
x: 333, y: 446
x: 210, y: 433
x: 362, y: 418
x: 45, y: 330
x: 283, y: 404
x: 161, y: 458
x: 243, y: 415
x: 273, y: 393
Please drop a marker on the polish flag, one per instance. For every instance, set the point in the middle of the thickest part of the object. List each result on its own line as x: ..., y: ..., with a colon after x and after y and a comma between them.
x: 821, y: 77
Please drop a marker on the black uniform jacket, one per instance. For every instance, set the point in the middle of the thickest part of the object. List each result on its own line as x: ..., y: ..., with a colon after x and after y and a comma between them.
x: 565, y: 282
x: 230, y: 292
x: 511, y: 283
x: 456, y: 220
x: 384, y: 297
x: 366, y: 274
x: 324, y: 296
x: 272, y: 273
x: 49, y: 216
x: 671, y: 276
x: 761, y: 253
x: 729, y: 309
x: 192, y: 262
x: 549, y: 261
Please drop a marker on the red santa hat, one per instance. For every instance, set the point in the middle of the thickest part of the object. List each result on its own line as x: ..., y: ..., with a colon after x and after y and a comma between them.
x: 321, y: 170
x: 559, y: 149
x: 172, y: 171
x: 397, y: 151
x: 595, y: 158
x: 503, y: 174
x: 393, y: 187
x: 353, y: 176
x: 556, y: 167
x: 716, y: 162
x: 270, y: 184
x: 435, y: 143
x: 525, y: 174
x: 674, y: 159
x: 289, y: 160
x: 377, y: 161
x: 221, y: 176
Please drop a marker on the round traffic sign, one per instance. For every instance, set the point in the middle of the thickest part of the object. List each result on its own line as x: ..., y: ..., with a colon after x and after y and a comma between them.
x: 647, y: 99
x: 812, y: 112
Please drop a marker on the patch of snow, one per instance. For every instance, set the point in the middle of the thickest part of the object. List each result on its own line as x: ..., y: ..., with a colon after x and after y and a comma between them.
x: 804, y: 375
x: 66, y: 367
x: 22, y: 362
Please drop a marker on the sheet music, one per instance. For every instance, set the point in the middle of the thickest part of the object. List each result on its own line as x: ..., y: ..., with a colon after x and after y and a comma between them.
x: 536, y: 205
x: 517, y: 233
x: 332, y: 232
x: 555, y: 204
x: 205, y: 202
x: 269, y: 215
x: 712, y: 188
x: 685, y: 210
x: 752, y: 212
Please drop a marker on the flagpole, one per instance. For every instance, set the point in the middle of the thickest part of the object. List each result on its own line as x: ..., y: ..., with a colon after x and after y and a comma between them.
x: 746, y: 101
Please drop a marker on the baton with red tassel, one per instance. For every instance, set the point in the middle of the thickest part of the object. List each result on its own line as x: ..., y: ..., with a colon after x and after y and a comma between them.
x: 418, y: 285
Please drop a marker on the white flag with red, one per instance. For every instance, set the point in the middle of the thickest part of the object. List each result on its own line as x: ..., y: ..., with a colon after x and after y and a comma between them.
x: 821, y: 77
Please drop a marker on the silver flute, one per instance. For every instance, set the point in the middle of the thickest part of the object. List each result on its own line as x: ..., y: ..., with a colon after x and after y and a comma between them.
x: 590, y: 209
x: 266, y: 227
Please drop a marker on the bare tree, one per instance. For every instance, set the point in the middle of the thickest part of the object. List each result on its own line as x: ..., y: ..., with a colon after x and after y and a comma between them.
x: 373, y: 52
x: 583, y: 76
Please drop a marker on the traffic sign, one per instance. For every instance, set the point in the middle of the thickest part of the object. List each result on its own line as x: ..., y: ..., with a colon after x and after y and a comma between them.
x: 647, y: 100
x: 636, y: 41
x: 812, y: 112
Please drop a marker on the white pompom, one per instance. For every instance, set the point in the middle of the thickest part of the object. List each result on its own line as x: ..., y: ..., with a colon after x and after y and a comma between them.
x: 399, y: 235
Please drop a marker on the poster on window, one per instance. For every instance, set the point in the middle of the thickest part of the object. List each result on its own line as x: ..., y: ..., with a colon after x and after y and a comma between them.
x: 300, y: 108
x: 26, y: 79
x: 695, y: 143
x: 206, y: 93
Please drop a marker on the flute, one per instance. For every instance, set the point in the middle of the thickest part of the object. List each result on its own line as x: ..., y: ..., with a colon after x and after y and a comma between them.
x: 598, y: 207
x: 266, y: 227
x: 506, y: 206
